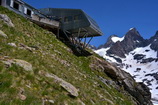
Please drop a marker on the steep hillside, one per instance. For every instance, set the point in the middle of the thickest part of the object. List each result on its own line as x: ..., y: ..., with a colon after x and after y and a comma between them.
x: 38, y: 69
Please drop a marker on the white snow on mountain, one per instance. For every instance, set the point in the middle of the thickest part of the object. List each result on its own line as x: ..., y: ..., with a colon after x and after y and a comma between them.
x: 115, y: 39
x: 131, y: 28
x: 102, y: 52
x: 147, y: 51
x: 141, y: 71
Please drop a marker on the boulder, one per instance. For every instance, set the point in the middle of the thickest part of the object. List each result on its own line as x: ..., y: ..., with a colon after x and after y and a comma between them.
x: 12, y: 44
x: 22, y: 97
x: 23, y: 46
x: 6, y: 20
x: 67, y: 86
x: 3, y: 34
x: 51, y: 101
x: 24, y: 64
x: 21, y: 94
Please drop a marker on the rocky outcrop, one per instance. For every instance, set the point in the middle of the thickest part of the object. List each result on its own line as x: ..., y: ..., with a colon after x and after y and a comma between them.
x: 25, y: 47
x: 67, y: 86
x: 24, y: 64
x: 6, y: 20
x: 148, y: 60
x: 139, y: 56
x: 138, y: 90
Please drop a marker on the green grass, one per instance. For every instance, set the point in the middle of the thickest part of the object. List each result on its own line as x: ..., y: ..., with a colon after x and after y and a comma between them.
x: 48, y: 58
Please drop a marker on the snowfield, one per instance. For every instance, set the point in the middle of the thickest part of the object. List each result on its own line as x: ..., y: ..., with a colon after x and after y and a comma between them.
x: 115, y: 39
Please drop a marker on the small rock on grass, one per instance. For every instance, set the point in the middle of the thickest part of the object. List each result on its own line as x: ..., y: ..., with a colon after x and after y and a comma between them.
x: 3, y: 34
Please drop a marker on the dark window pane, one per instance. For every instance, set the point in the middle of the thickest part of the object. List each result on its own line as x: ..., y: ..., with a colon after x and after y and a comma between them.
x: 16, y: 5
x: 68, y: 19
x: 0, y: 2
x: 28, y: 12
x: 77, y: 17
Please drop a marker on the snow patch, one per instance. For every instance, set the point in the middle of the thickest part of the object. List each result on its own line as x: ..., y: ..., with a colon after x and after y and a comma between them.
x: 137, y: 41
x: 145, y: 51
x: 103, y: 52
x: 116, y: 39
x: 131, y: 28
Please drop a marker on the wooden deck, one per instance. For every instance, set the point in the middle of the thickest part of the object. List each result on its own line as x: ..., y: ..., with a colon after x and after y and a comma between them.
x: 44, y: 21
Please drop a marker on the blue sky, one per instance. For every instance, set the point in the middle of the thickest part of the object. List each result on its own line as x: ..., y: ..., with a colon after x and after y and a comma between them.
x: 113, y: 16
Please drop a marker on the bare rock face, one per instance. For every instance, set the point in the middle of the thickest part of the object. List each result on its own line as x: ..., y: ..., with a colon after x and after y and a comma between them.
x: 154, y: 42
x: 138, y: 90
x: 67, y: 86
x: 131, y: 40
x: 7, y: 20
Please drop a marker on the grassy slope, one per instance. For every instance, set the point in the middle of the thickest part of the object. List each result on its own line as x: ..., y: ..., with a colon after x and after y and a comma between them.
x: 49, y: 57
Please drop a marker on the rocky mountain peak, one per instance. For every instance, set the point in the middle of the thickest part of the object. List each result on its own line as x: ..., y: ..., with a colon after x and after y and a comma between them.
x: 124, y: 45
x: 156, y: 33
x: 133, y: 29
x: 133, y: 34
x: 108, y: 43
x: 154, y: 37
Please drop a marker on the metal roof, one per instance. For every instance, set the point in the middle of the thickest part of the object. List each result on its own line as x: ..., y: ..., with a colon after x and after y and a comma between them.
x: 86, y: 22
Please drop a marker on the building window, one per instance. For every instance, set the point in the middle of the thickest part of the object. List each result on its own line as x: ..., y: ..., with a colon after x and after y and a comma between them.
x: 77, y: 17
x: 28, y: 12
x: 16, y: 5
x: 0, y: 2
x: 68, y: 19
